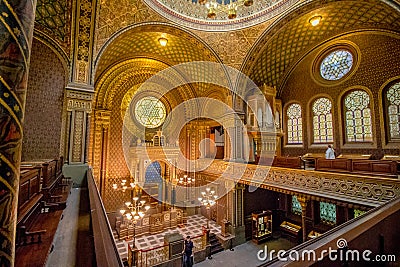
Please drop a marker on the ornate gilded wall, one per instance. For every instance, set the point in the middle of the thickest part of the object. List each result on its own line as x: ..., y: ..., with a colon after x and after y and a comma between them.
x: 44, y: 103
x: 378, y: 63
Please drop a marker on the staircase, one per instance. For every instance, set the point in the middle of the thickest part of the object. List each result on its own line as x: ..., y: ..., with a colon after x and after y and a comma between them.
x: 215, y: 244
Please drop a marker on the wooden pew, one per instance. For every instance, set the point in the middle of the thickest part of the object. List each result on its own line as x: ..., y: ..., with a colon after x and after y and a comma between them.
x: 309, y: 159
x: 383, y: 168
x: 333, y: 165
x: 287, y: 162
x: 29, y: 206
x: 354, y: 156
x: 395, y: 158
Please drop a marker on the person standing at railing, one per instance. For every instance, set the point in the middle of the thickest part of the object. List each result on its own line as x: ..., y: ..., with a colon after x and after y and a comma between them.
x: 187, y: 253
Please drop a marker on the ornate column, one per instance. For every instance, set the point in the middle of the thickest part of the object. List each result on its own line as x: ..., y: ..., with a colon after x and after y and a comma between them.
x: 234, y: 138
x: 235, y: 213
x: 79, y: 106
x: 16, y: 28
x: 303, y: 202
x: 100, y: 145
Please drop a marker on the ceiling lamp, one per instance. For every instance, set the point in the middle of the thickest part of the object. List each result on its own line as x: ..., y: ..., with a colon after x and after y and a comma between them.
x: 163, y: 41
x: 213, y: 7
x: 314, y: 21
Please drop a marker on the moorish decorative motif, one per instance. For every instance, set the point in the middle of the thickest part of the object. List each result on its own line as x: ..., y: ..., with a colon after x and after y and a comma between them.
x: 79, y: 106
x: 16, y: 28
x: 53, y: 17
x: 83, y: 49
x: 194, y: 15
x: 344, y: 187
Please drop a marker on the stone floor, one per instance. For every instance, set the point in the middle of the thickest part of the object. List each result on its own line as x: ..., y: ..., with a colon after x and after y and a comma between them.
x: 192, y: 228
x: 245, y: 254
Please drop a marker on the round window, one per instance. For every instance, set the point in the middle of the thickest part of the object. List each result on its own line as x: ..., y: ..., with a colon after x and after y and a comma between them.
x: 150, y: 112
x: 336, y: 65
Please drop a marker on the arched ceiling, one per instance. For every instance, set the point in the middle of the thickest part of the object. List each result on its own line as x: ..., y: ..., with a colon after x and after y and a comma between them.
x: 291, y: 37
x: 142, y: 41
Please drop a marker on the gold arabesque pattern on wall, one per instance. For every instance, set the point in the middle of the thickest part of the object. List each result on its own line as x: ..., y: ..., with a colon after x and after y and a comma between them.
x: 143, y: 41
x: 283, y: 44
x: 232, y: 47
x: 117, y: 14
x: 44, y: 103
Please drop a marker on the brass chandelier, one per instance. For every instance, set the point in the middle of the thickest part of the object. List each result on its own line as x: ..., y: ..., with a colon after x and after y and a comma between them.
x: 214, y: 7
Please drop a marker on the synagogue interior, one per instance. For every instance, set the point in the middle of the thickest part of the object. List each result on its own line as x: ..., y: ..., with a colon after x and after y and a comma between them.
x: 129, y: 125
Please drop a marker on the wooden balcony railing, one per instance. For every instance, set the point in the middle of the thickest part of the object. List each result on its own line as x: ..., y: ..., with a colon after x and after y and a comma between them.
x: 105, y: 247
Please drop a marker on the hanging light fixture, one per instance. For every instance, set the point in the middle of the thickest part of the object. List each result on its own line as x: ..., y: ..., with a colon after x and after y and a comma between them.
x: 213, y: 7
x: 163, y: 41
x: 314, y: 21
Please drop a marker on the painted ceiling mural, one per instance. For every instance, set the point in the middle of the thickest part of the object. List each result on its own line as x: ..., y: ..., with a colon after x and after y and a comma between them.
x: 280, y: 41
x: 54, y: 17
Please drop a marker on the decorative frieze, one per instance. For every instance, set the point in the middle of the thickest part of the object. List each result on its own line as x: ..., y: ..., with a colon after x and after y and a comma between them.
x: 356, y: 189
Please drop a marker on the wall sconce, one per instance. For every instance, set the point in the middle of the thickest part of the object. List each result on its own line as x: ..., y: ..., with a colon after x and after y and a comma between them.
x: 163, y: 41
x: 314, y: 21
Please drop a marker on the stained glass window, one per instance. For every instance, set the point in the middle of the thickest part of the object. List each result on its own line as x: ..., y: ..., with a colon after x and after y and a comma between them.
x: 393, y: 98
x: 150, y: 112
x: 358, y: 213
x: 322, y: 120
x: 296, y: 207
x: 336, y: 65
x: 327, y: 212
x: 294, y: 124
x: 358, y: 117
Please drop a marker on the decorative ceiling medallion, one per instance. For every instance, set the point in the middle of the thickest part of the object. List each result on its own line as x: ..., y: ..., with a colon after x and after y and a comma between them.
x: 193, y: 15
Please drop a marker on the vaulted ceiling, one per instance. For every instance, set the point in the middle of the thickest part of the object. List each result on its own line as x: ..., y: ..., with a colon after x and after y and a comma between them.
x: 292, y: 36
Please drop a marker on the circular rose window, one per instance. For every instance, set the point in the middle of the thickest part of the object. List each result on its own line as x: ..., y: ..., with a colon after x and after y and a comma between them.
x: 150, y: 112
x: 336, y: 65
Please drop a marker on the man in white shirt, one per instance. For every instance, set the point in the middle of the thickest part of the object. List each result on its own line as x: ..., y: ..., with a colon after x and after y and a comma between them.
x: 330, y: 153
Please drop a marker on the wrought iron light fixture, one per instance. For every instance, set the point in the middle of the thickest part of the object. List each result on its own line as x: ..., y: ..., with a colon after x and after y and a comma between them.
x: 208, y: 200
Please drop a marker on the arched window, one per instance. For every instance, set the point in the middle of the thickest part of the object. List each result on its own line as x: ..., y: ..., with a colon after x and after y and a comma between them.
x: 392, y: 98
x: 294, y: 124
x: 327, y: 212
x: 358, y: 122
x: 322, y: 120
x: 296, y: 207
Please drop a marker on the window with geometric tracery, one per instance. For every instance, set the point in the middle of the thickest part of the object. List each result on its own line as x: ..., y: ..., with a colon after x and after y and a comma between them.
x: 358, y: 212
x: 327, y: 213
x: 294, y: 124
x: 358, y: 121
x: 296, y: 207
x: 150, y: 112
x: 336, y: 65
x: 322, y: 120
x: 393, y: 111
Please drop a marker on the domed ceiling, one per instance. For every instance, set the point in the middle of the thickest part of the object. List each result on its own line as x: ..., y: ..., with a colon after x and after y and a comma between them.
x: 194, y: 13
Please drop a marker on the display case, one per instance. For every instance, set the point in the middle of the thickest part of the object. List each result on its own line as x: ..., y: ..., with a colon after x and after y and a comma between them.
x: 261, y: 226
x: 291, y: 230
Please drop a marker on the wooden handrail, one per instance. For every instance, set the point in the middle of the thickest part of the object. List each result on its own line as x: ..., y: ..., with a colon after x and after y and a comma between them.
x: 105, y: 247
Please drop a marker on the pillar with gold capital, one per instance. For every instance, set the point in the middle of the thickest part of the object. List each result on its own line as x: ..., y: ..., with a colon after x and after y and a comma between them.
x: 16, y: 29
x: 303, y: 203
